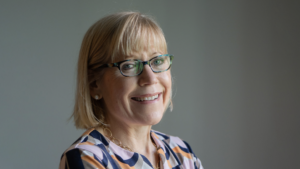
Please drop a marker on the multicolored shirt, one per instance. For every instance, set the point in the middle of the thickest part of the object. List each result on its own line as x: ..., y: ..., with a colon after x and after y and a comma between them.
x: 93, y: 150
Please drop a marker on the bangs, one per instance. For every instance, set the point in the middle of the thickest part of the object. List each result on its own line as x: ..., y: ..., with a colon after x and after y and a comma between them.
x: 139, y: 34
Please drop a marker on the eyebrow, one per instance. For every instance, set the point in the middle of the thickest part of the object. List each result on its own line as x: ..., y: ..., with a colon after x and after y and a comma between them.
x: 154, y: 53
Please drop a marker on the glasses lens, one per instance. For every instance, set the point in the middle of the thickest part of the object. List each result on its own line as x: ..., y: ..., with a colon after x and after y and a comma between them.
x: 161, y: 63
x: 131, y: 68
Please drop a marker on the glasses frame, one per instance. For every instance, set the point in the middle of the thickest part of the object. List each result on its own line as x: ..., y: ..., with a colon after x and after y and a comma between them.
x: 117, y: 64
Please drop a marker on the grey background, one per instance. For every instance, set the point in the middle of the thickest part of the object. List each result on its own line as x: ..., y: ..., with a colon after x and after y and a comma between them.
x: 236, y: 78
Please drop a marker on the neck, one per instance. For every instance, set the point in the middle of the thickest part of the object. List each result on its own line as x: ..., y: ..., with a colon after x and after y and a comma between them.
x: 137, y: 138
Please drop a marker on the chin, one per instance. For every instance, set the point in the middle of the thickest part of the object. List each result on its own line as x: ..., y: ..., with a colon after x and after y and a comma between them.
x: 154, y: 120
x: 148, y: 116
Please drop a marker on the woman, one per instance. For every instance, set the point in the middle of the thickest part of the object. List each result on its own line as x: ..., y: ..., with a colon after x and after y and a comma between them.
x: 123, y: 88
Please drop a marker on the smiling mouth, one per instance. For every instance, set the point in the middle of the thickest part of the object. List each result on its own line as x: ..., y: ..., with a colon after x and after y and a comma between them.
x: 141, y: 99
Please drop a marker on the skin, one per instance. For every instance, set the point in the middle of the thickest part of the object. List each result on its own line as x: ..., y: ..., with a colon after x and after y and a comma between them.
x: 131, y: 121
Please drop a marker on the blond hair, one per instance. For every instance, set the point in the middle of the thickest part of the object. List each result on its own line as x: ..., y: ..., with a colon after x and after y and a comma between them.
x: 110, y: 38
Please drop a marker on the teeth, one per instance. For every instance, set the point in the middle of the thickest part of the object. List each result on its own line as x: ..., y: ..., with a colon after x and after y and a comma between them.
x: 147, y: 98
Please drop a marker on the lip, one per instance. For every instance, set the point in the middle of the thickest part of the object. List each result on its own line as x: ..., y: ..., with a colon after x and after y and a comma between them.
x: 148, y: 95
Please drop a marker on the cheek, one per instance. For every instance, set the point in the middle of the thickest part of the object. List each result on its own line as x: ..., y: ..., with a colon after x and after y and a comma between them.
x: 166, y: 82
x: 119, y: 89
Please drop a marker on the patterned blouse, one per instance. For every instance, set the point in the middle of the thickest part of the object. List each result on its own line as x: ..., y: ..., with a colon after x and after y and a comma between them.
x: 93, y: 150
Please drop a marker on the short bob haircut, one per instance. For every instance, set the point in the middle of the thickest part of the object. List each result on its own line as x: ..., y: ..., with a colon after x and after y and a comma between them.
x: 109, y: 39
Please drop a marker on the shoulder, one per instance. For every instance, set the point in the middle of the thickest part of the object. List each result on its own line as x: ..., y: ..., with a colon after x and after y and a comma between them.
x: 180, y: 149
x: 87, y: 151
x: 173, y: 141
x: 89, y: 139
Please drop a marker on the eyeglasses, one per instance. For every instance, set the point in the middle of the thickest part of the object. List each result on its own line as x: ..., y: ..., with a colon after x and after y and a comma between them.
x: 134, y: 67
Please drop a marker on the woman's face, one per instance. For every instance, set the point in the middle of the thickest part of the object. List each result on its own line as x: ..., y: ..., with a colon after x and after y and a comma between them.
x: 122, y: 95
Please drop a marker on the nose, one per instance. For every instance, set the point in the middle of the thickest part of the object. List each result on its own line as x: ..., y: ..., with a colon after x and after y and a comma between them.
x: 147, y: 77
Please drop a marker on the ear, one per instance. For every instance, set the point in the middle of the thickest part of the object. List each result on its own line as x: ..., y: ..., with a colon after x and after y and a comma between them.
x: 95, y: 90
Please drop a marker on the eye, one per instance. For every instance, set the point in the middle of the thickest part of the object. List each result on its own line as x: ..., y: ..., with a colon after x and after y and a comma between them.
x: 158, y: 61
x: 128, y: 66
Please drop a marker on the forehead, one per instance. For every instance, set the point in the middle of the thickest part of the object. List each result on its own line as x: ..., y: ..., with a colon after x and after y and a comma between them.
x: 146, y: 43
x: 144, y: 55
